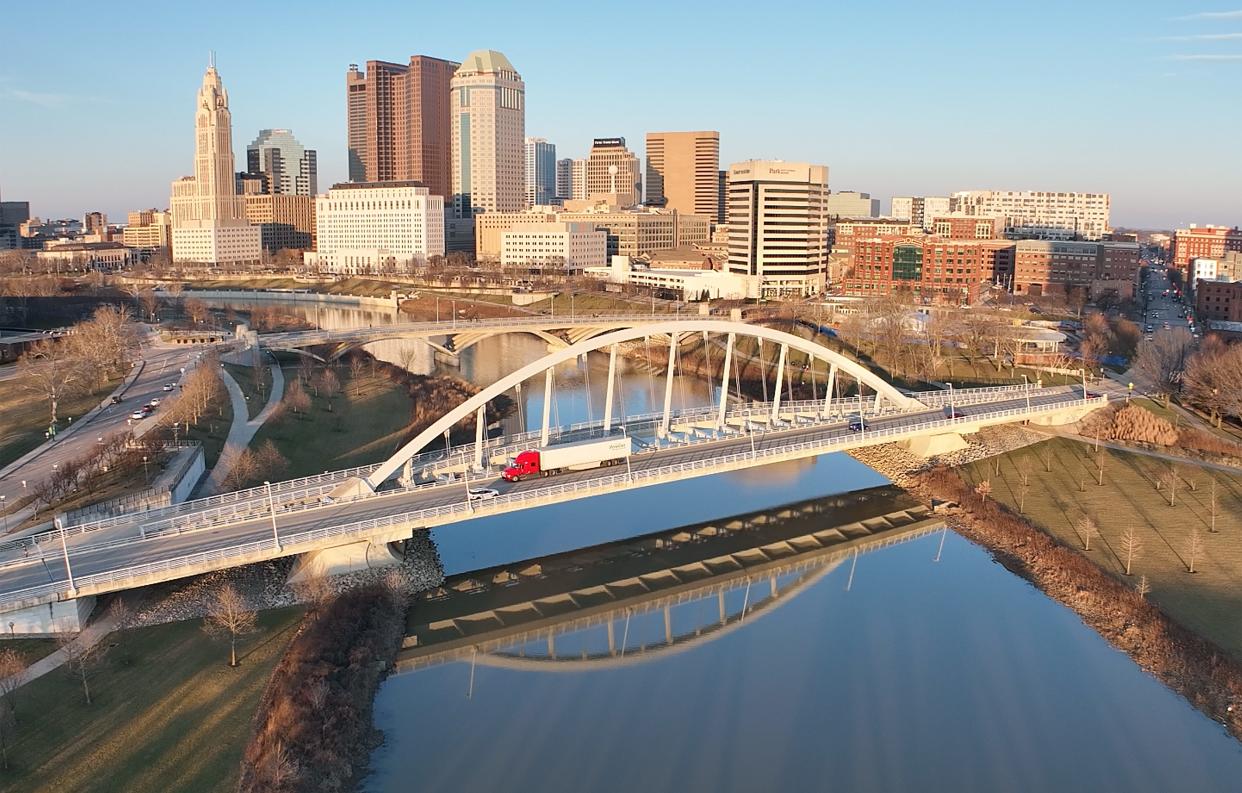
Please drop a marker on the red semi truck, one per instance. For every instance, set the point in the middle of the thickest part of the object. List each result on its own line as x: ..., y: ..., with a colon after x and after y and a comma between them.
x: 567, y: 457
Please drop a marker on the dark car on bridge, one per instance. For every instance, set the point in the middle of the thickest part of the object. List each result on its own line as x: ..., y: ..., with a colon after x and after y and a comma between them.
x: 858, y: 424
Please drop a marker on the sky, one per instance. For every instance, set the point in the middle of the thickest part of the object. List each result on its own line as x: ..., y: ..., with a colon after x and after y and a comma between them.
x: 1137, y: 98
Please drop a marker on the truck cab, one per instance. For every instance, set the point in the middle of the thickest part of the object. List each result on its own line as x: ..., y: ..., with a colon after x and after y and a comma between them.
x: 524, y: 464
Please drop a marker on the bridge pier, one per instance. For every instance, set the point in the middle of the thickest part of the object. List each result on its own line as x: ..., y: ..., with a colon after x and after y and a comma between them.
x: 351, y: 558
x: 63, y: 616
x: 933, y: 445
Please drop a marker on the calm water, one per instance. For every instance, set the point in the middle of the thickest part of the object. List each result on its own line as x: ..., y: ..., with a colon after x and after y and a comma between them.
x: 949, y: 676
x: 940, y: 676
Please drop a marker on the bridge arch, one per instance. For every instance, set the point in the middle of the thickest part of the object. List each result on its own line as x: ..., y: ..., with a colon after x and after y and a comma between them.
x: 883, y: 389
x: 468, y: 339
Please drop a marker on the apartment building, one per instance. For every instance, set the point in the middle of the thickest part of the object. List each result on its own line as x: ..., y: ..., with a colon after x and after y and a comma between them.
x: 565, y: 247
x: 852, y: 204
x: 1034, y: 214
x: 1202, y: 242
x: 919, y: 210
x: 929, y: 269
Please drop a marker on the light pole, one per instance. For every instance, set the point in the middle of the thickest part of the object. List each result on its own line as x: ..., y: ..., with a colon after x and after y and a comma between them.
x: 4, y: 513
x: 1026, y: 386
x: 272, y: 506
x: 146, y: 475
x: 64, y: 549
x: 952, y: 412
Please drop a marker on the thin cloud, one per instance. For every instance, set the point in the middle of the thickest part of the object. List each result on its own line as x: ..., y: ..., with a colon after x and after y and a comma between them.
x: 1205, y: 37
x: 1237, y: 57
x: 39, y: 98
x: 1212, y: 15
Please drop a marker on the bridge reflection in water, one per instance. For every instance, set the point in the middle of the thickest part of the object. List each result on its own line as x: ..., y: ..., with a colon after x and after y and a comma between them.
x: 633, y: 600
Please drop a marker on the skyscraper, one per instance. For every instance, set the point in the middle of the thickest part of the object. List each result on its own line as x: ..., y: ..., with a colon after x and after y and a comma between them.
x: 612, y: 168
x: 778, y: 225
x: 289, y: 167
x: 564, y: 179
x: 578, y: 180
x: 540, y: 172
x: 683, y: 171
x: 208, y: 217
x: 488, y: 106
x: 398, y: 122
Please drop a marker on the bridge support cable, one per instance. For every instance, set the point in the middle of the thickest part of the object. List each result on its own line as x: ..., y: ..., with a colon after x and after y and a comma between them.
x: 547, y: 406
x: 780, y: 378
x: 668, y: 384
x: 763, y: 371
x: 832, y: 380
x: 724, y: 382
x: 521, y: 408
x: 586, y: 376
x: 612, y: 375
x: 480, y: 426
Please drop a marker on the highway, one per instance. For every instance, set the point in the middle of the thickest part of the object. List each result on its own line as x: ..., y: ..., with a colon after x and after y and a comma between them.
x: 163, y: 363
x: 45, y: 565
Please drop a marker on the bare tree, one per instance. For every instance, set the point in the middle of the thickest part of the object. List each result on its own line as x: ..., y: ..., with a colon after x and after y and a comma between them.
x: 228, y: 616
x: 1045, y: 456
x: 1168, y: 480
x: 197, y: 311
x: 328, y: 385
x: 81, y: 657
x: 983, y: 490
x: 1143, y: 588
x: 1131, y: 546
x: 282, y: 769
x: 12, y: 667
x: 1087, y: 528
x: 1161, y: 362
x: 1194, y: 547
x: 1099, y: 468
x: 50, y: 369
x: 1024, y: 485
x: 1213, y: 505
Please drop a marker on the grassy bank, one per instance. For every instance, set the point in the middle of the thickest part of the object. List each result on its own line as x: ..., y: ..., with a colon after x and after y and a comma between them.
x: 364, y: 424
x: 1064, y: 490
x: 168, y: 713
x: 24, y: 415
x: 256, y: 384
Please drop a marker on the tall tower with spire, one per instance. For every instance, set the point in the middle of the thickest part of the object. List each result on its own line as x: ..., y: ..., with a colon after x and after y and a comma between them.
x: 208, y: 217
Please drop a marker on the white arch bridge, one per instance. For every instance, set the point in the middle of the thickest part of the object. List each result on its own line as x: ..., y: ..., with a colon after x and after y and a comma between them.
x: 369, y: 508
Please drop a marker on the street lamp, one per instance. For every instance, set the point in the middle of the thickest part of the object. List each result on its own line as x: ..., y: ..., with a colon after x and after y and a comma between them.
x: 1026, y: 387
x: 952, y: 412
x: 146, y: 475
x: 4, y: 513
x: 272, y: 506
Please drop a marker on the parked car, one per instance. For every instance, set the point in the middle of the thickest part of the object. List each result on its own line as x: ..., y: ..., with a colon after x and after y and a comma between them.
x: 482, y: 493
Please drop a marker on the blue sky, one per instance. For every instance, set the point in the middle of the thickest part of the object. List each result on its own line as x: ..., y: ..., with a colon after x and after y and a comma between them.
x: 1138, y: 98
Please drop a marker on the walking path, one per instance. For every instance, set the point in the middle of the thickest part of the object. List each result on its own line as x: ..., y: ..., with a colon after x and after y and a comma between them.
x: 88, y: 637
x: 242, y: 430
x: 1122, y: 447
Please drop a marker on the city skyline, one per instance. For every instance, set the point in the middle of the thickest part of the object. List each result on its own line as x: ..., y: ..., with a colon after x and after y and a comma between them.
x: 1098, y: 122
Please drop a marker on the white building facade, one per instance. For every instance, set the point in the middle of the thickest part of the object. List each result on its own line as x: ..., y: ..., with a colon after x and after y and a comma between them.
x: 208, y: 217
x: 571, y: 246
x: 778, y: 225
x: 919, y: 210
x: 1040, y: 214
x: 369, y: 228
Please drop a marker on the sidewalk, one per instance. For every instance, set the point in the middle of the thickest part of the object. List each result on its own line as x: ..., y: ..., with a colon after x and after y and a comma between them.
x: 242, y: 430
x: 89, y: 636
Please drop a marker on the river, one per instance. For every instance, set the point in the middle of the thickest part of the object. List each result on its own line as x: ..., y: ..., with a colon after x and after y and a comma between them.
x: 902, y: 674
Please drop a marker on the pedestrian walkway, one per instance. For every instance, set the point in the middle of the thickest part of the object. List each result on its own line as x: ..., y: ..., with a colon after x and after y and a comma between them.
x: 88, y: 637
x: 242, y: 431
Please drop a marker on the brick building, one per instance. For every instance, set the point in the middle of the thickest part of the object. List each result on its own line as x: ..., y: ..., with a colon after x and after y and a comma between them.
x: 932, y: 269
x: 1219, y: 301
x: 1202, y: 242
x: 1047, y: 267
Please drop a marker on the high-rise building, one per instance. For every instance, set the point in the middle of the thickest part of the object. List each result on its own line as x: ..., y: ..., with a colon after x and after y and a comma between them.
x: 366, y: 228
x: 488, y: 106
x: 12, y: 215
x: 683, y: 171
x: 564, y: 179
x: 578, y: 180
x: 398, y: 122
x: 919, y: 210
x: 853, y: 204
x: 540, y: 172
x: 1032, y: 214
x: 1202, y: 242
x: 284, y: 221
x: 95, y: 224
x: 778, y: 225
x: 290, y: 168
x: 148, y: 229
x: 722, y: 200
x: 208, y: 217
x: 612, y: 169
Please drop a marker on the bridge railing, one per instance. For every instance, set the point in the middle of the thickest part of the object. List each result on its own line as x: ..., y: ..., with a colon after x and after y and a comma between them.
x: 229, y: 507
x: 293, y: 543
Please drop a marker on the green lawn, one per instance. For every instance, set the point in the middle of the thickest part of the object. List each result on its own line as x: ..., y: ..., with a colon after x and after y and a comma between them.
x: 1208, y: 601
x: 24, y: 416
x: 364, y: 426
x: 168, y: 713
x: 30, y: 650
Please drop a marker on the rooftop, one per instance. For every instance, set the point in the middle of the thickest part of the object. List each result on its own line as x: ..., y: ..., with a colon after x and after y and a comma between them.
x: 485, y: 61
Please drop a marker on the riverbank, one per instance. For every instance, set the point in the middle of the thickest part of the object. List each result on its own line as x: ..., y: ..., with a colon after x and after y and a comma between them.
x: 1188, y: 664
